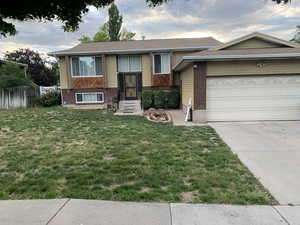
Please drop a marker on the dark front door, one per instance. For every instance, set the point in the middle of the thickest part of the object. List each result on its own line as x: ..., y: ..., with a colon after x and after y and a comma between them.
x: 131, y: 87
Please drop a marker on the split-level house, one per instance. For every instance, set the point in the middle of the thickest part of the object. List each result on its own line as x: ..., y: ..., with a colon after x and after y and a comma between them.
x: 99, y: 72
x: 255, y: 77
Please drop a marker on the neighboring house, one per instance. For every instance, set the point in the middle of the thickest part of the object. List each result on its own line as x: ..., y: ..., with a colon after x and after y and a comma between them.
x: 98, y: 72
x: 19, y: 96
x: 256, y: 77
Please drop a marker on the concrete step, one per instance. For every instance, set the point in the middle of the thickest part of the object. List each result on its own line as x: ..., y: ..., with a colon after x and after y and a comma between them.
x: 130, y: 107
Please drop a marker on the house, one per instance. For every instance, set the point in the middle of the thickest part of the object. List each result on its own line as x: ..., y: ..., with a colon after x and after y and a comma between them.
x: 99, y: 72
x: 255, y: 77
x: 17, y: 97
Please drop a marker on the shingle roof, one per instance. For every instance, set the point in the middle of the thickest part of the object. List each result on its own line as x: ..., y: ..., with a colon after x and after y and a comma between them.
x: 141, y: 46
x: 249, y: 52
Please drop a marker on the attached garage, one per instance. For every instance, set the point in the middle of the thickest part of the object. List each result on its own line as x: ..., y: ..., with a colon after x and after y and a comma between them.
x: 253, y: 98
x: 256, y: 77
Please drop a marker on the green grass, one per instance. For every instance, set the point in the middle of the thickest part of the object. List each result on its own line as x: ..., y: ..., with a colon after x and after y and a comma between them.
x: 63, y: 153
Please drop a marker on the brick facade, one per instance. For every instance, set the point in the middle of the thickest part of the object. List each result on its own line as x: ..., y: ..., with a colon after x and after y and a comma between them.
x: 68, y: 95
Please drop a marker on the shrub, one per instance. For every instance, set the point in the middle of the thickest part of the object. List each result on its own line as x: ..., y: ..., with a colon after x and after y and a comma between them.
x: 159, y: 99
x: 172, y: 99
x: 52, y: 98
x: 147, y: 99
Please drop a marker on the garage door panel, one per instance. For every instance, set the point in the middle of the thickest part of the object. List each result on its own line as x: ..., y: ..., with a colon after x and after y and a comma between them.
x: 240, y: 99
x: 252, y: 102
x: 253, y: 115
x: 253, y: 91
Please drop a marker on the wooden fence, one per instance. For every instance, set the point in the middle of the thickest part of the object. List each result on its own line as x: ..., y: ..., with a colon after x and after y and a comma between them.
x: 17, y: 97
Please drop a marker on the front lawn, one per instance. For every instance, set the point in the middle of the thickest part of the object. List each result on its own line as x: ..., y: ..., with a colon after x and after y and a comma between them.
x: 63, y: 153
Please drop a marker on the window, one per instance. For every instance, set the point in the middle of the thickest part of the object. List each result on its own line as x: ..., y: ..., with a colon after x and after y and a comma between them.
x: 161, y: 63
x: 86, y: 66
x: 129, y: 63
x: 90, y: 97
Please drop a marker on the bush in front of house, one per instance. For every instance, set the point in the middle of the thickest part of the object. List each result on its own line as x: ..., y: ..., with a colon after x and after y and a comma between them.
x: 147, y: 99
x: 52, y: 98
x: 168, y: 99
x: 159, y: 99
x: 172, y: 98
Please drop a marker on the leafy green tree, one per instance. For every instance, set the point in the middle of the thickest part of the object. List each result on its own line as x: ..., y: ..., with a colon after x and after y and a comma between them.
x: 85, y: 38
x: 12, y: 75
x: 114, y: 23
x: 101, y: 35
x: 126, y: 35
x: 39, y: 70
x: 111, y: 30
x: 68, y: 12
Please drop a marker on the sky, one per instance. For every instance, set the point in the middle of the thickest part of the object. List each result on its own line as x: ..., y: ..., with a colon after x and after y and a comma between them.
x: 222, y: 19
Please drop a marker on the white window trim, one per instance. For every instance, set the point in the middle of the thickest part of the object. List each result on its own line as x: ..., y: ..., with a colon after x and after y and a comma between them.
x: 153, y: 63
x: 81, y: 76
x: 89, y: 101
x: 134, y: 71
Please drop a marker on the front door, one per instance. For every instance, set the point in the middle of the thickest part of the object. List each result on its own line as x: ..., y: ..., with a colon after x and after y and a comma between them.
x: 130, y: 86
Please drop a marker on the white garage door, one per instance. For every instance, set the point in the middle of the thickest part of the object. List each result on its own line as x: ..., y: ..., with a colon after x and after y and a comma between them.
x: 253, y: 98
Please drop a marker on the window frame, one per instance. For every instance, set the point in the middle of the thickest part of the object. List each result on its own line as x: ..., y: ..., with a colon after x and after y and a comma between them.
x: 128, y: 57
x: 82, y: 76
x: 83, y: 102
x: 153, y: 63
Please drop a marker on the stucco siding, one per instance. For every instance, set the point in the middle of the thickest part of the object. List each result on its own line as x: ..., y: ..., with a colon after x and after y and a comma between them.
x: 111, y: 70
x: 146, y: 70
x: 290, y: 66
x: 187, y: 78
x: 254, y: 43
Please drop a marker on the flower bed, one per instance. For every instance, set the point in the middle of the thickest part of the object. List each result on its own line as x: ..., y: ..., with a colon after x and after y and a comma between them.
x: 158, y: 116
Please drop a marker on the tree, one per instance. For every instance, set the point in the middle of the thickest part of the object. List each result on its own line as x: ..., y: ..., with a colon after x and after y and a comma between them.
x: 68, y: 12
x: 38, y: 70
x: 296, y: 38
x: 12, y: 75
x: 126, y: 35
x: 114, y: 23
x: 111, y: 30
x: 101, y: 35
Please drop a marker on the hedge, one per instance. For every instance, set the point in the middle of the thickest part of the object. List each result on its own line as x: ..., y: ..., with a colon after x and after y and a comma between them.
x: 168, y: 99
x: 147, y: 99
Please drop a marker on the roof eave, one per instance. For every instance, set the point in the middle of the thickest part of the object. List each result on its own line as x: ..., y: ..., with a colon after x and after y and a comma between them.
x: 188, y: 59
x: 257, y: 35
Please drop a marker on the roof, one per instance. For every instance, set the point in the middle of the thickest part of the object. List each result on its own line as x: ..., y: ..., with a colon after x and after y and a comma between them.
x: 264, y: 37
x: 220, y: 53
x: 139, y: 46
x: 20, y: 64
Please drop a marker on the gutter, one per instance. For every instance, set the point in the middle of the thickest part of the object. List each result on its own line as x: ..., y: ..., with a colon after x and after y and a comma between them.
x: 130, y: 51
x: 276, y: 55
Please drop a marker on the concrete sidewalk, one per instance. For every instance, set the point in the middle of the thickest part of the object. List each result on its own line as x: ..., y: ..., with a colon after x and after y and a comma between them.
x: 97, y: 212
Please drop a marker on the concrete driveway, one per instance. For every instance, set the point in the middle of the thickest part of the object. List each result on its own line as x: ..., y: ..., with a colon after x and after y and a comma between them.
x: 271, y: 150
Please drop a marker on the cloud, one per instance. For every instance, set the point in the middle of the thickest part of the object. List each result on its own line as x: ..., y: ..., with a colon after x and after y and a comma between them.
x: 224, y: 20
